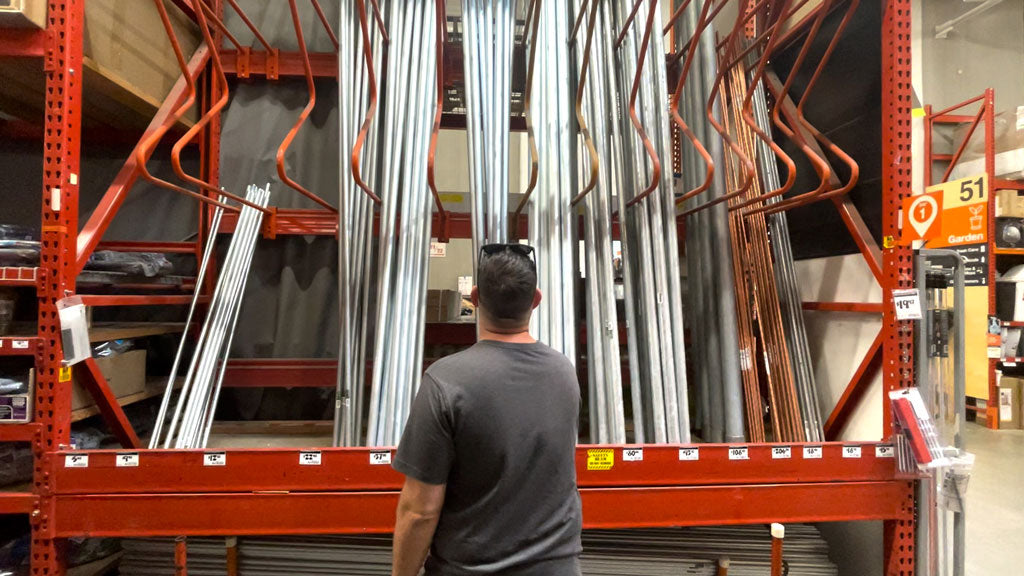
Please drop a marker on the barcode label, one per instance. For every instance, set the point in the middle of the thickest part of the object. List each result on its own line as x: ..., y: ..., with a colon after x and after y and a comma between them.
x: 215, y: 459
x: 76, y: 461
x: 884, y: 451
x: 378, y: 458
x: 739, y: 453
x: 781, y: 452
x: 309, y: 458
x: 851, y: 451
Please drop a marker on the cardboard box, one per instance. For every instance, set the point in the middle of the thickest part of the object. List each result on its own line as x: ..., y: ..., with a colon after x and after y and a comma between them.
x: 1010, y: 403
x: 126, y: 374
x: 443, y: 305
x: 23, y: 14
x: 1009, y: 204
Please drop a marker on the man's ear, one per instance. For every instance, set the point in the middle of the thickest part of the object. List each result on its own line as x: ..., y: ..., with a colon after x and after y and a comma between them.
x: 536, y: 298
x: 474, y: 297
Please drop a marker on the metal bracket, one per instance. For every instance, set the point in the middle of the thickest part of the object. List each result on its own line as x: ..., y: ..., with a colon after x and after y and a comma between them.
x: 243, y: 67
x: 270, y: 223
x: 50, y: 51
x: 273, y: 64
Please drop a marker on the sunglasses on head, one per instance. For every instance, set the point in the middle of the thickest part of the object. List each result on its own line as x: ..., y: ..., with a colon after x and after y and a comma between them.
x: 524, y: 250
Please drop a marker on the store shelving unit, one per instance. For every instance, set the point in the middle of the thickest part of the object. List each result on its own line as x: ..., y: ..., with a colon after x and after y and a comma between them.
x: 138, y: 492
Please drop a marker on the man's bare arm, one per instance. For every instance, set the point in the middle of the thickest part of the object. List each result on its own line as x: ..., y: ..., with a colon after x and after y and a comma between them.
x: 419, y: 508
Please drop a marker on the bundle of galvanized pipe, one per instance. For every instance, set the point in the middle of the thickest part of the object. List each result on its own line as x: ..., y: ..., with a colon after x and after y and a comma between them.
x: 189, y: 425
x: 405, y: 217
x: 488, y: 34
x: 641, y: 140
x: 551, y: 216
x: 644, y: 552
x: 358, y: 93
x: 599, y: 185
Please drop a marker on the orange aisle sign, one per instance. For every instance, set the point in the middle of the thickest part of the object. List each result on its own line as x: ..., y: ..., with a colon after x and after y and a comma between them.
x: 951, y: 214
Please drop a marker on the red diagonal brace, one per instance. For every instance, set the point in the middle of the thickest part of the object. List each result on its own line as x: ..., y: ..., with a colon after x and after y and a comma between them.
x: 92, y: 378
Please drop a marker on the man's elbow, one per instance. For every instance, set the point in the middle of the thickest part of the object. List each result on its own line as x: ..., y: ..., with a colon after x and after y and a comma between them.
x: 420, y: 516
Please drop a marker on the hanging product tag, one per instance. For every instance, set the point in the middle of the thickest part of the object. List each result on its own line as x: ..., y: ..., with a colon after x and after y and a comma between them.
x: 907, y: 304
x: 74, y: 330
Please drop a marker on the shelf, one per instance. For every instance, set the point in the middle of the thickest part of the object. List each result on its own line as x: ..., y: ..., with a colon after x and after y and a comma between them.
x: 18, y: 276
x: 17, y: 502
x: 1011, y: 324
x: 154, y: 387
x: 1008, y: 251
x: 106, y: 331
x: 174, y: 492
x: 1011, y: 360
x: 18, y: 432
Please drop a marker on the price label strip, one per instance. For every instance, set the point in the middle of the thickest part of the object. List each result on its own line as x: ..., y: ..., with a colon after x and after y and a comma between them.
x: 739, y: 453
x: 309, y: 458
x: 379, y: 458
x: 851, y: 451
x: 812, y: 452
x: 689, y: 454
x: 782, y: 452
x: 127, y: 460
x: 632, y: 454
x: 76, y: 461
x: 215, y: 459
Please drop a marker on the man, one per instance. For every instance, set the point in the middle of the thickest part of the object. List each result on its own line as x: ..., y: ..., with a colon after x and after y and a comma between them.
x: 489, y: 448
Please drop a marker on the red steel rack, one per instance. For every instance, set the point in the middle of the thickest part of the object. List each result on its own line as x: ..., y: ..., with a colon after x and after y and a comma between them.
x: 136, y: 492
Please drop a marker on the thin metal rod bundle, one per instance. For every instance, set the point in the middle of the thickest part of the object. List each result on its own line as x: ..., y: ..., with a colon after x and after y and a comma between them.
x: 193, y: 413
x: 355, y: 233
x: 551, y: 216
x: 488, y: 36
x: 648, y: 221
x: 404, y: 232
x: 604, y: 365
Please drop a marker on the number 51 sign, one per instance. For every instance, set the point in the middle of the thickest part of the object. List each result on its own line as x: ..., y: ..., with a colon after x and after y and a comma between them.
x: 948, y: 214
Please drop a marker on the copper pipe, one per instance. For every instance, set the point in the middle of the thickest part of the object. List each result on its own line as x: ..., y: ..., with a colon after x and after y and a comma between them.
x: 327, y: 26
x: 179, y: 145
x: 251, y: 26
x: 675, y: 16
x: 380, y: 21
x: 748, y: 166
x: 648, y: 145
x: 530, y: 136
x: 579, y: 20
x: 673, y: 106
x: 770, y: 27
x: 820, y: 164
x: 442, y: 37
x: 821, y: 138
x: 587, y: 139
x: 145, y: 150
x: 311, y: 86
x: 685, y: 49
x: 357, y: 149
x: 778, y: 533
x: 231, y: 556
x: 180, y: 545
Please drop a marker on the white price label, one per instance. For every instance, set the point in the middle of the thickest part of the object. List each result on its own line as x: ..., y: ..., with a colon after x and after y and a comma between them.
x: 380, y: 457
x: 781, y: 452
x: 632, y: 454
x: 812, y: 452
x: 907, y: 304
x: 76, y: 461
x: 438, y: 249
x: 884, y: 451
x: 20, y: 344
x: 215, y: 459
x: 309, y: 458
x: 127, y: 460
x: 739, y: 453
x: 689, y: 454
x: 851, y: 451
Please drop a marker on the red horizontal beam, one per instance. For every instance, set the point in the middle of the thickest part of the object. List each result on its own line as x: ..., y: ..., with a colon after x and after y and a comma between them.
x: 281, y: 373
x: 861, y: 307
x: 19, y: 346
x: 17, y: 276
x: 374, y: 512
x: 324, y: 64
x: 142, y: 246
x: 953, y: 118
x: 22, y: 42
x: 350, y: 469
x: 18, y: 432
x: 138, y: 300
x: 17, y: 502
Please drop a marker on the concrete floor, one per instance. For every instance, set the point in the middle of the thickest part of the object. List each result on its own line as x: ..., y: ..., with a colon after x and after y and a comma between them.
x: 995, y: 502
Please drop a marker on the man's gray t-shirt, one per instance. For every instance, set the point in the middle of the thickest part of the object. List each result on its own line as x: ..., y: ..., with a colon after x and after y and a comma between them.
x: 498, y: 424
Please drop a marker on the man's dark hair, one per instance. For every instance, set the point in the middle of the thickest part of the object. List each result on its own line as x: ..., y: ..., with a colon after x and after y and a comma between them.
x: 506, y: 283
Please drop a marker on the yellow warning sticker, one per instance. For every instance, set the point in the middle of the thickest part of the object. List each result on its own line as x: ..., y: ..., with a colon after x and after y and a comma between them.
x: 65, y: 374
x: 918, y: 113
x: 452, y: 198
x: 600, y: 459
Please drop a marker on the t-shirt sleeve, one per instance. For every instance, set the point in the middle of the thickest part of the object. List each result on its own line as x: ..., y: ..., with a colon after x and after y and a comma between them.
x: 427, y: 449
